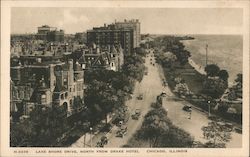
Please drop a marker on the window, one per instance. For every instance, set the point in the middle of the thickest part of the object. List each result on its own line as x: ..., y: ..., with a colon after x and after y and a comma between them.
x: 43, y: 96
x: 65, y: 81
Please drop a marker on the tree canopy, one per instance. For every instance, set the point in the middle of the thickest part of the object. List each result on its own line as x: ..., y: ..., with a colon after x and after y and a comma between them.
x: 212, y: 70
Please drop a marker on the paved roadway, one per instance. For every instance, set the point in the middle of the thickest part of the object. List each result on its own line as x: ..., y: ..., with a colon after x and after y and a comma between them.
x: 150, y: 87
x: 198, y: 119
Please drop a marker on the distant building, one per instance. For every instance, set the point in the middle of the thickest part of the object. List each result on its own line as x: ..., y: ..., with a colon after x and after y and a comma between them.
x: 111, y: 35
x: 48, y: 33
x: 80, y: 37
x: 133, y: 24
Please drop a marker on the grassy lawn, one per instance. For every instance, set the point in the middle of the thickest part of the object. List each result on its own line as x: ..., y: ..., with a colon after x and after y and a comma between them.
x: 193, y: 79
x: 194, y: 82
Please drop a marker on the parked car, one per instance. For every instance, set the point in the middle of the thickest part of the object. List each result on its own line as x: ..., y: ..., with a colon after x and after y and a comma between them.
x: 187, y: 108
x: 137, y: 114
x: 122, y: 131
x: 99, y: 144
x: 104, y: 140
x: 140, y: 97
x: 163, y: 93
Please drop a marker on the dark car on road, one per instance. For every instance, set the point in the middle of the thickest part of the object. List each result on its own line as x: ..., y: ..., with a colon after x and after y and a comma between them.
x: 137, y: 114
x: 187, y: 108
x: 140, y: 97
x: 122, y: 131
x: 104, y: 141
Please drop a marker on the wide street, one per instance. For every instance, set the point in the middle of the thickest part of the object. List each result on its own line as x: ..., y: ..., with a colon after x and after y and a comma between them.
x: 180, y: 118
x: 150, y: 87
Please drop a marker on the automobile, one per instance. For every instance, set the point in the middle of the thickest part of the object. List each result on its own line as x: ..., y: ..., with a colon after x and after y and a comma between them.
x: 99, y: 144
x: 163, y: 93
x: 187, y: 108
x: 140, y: 97
x: 104, y: 140
x: 122, y: 131
x: 136, y: 115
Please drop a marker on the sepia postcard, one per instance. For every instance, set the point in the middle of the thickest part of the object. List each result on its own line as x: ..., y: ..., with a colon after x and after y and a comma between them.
x: 124, y: 78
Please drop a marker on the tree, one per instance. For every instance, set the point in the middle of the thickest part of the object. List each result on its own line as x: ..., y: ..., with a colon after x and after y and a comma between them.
x: 176, y: 137
x: 216, y: 135
x: 167, y: 59
x: 140, y: 51
x: 41, y: 129
x: 239, y: 78
x: 223, y: 74
x: 154, y: 125
x: 134, y: 67
x: 212, y: 70
x: 158, y: 131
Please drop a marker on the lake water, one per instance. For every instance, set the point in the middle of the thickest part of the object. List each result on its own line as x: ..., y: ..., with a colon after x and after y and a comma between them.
x: 224, y: 50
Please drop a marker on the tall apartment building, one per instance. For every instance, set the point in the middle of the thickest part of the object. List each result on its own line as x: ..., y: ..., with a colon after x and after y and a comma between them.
x: 111, y: 35
x: 48, y: 33
x: 126, y: 33
x: 132, y: 24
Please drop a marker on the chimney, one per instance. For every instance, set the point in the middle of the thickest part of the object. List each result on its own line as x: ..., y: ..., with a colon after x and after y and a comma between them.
x: 98, y: 50
x: 105, y: 25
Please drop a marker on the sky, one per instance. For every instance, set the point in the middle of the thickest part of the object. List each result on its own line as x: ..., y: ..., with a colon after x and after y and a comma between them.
x: 153, y: 20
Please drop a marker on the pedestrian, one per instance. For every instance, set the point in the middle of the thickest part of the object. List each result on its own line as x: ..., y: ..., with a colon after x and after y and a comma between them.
x: 190, y: 112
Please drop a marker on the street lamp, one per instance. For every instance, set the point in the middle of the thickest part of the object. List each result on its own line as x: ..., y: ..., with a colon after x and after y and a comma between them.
x: 208, y: 102
x: 90, y: 136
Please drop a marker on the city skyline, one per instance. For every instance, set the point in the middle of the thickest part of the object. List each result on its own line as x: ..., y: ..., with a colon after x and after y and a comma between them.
x: 179, y: 21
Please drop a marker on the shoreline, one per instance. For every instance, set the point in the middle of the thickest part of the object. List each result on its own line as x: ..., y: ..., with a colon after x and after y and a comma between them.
x: 221, y: 61
x: 200, y: 69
